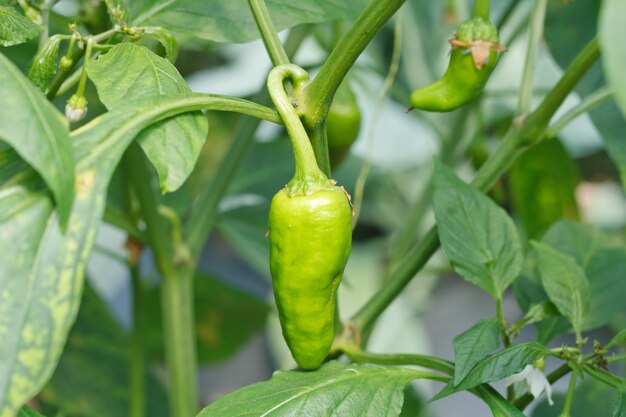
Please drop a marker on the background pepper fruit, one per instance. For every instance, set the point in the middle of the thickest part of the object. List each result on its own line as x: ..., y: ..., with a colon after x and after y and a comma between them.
x: 473, y: 57
x: 343, y: 124
x: 310, y: 236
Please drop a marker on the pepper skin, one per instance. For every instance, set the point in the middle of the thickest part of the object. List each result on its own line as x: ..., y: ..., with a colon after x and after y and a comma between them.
x: 310, y: 231
x: 310, y: 240
x: 474, y: 54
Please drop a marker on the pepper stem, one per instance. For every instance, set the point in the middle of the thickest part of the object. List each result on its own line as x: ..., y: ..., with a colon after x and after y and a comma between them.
x: 481, y: 9
x: 307, y: 170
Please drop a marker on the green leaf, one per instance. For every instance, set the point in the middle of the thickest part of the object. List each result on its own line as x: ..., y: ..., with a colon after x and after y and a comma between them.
x: 231, y: 20
x: 226, y: 318
x: 15, y: 28
x: 542, y: 184
x: 612, y: 33
x: 565, y: 283
x: 129, y: 71
x: 604, y: 264
x: 334, y: 389
x: 44, y: 65
x: 38, y: 132
x: 166, y: 39
x: 498, y: 366
x: 619, y: 408
x: 92, y: 378
x: 618, y: 339
x: 42, y: 277
x: 477, y: 236
x: 473, y: 345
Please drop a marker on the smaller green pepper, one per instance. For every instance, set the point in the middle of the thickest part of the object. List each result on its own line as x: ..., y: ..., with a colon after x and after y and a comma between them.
x: 474, y: 54
x: 343, y: 123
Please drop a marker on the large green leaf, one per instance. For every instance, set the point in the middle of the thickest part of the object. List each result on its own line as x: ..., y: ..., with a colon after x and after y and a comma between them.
x: 41, y: 280
x: 129, y: 72
x: 542, y: 183
x: 226, y: 318
x: 15, y: 28
x: 473, y: 345
x: 565, y: 283
x: 92, y: 378
x: 498, y: 366
x: 333, y: 390
x: 604, y: 264
x: 231, y: 20
x: 38, y: 132
x: 477, y: 236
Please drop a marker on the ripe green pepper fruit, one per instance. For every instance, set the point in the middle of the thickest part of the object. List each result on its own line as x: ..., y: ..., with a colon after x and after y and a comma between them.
x: 310, y: 239
x: 343, y: 124
x: 474, y: 54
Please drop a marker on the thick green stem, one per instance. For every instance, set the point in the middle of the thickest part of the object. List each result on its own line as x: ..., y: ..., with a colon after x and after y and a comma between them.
x: 319, y: 141
x: 481, y: 9
x: 176, y: 293
x: 320, y: 92
x: 272, y: 43
x: 137, y: 364
x: 516, y: 141
x: 532, y: 54
x: 306, y: 164
x: 203, y: 213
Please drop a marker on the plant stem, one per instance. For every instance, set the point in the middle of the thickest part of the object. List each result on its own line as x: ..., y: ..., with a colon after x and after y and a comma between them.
x: 58, y: 79
x: 80, y: 91
x: 532, y: 54
x: 203, y: 213
x: 589, y: 103
x: 616, y: 358
x: 518, y: 139
x: 137, y: 365
x: 481, y: 9
x: 176, y: 293
x: 500, y: 314
x: 430, y: 362
x: 318, y: 95
x: 272, y: 43
x: 319, y: 142
x: 569, y: 397
x: 306, y: 164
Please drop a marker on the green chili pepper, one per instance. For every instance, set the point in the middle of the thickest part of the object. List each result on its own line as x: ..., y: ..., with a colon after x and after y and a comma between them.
x: 474, y: 53
x: 310, y: 238
x: 342, y: 124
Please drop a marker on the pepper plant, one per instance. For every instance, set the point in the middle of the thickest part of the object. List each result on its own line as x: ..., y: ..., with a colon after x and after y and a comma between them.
x: 100, y: 131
